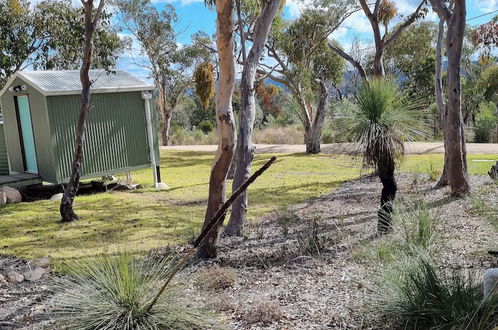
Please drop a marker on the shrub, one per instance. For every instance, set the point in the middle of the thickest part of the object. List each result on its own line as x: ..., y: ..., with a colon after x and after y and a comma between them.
x: 309, y: 241
x: 417, y: 296
x: 286, y: 218
x: 328, y: 136
x: 265, y: 312
x: 486, y: 121
x: 217, y: 278
x: 433, y: 172
x: 114, y: 292
x: 206, y: 126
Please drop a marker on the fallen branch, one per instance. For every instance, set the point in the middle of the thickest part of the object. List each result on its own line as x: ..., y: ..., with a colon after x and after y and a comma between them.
x: 215, y: 220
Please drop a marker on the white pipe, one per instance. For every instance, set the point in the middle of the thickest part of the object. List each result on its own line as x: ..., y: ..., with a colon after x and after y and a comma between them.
x: 147, y: 97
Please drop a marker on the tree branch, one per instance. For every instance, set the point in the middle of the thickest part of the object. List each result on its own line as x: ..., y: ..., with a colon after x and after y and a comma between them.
x: 405, y: 24
x: 350, y: 59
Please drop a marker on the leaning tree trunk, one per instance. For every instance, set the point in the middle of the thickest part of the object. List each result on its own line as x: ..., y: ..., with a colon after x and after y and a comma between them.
x: 66, y: 208
x: 455, y: 137
x: 441, y: 106
x: 389, y: 188
x: 314, y: 135
x: 225, y: 122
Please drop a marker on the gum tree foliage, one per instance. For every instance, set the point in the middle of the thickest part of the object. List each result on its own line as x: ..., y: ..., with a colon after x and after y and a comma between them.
x: 380, y: 13
x: 412, y: 57
x: 168, y: 63
x: 49, y: 35
x: 305, y: 65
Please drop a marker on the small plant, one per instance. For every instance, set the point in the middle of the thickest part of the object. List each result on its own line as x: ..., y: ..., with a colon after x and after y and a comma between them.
x: 418, y: 226
x: 265, y: 312
x: 217, y: 278
x: 484, y: 209
x: 434, y: 173
x: 309, y: 240
x: 328, y: 137
x: 417, y: 296
x: 286, y: 218
x: 114, y: 292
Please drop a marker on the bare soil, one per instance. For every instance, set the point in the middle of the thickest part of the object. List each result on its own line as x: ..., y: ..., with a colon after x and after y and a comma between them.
x: 274, y: 282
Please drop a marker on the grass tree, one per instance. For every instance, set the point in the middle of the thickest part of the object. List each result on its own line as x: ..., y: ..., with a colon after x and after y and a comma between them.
x: 382, y: 120
x: 91, y: 21
x: 225, y: 121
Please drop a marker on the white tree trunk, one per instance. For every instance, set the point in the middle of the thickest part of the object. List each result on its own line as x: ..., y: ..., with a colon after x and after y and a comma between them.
x: 314, y: 133
x: 225, y: 121
x: 245, y: 148
x: 441, y: 106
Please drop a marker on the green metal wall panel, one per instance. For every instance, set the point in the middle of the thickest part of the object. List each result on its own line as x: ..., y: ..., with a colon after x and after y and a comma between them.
x: 116, y: 133
x: 41, y: 131
x: 4, y: 162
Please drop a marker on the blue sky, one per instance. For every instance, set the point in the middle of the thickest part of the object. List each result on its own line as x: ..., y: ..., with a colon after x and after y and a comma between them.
x: 194, y: 16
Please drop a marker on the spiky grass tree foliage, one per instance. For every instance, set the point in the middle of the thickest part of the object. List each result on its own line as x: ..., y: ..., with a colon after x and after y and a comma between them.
x: 113, y: 292
x: 416, y: 295
x: 382, y: 120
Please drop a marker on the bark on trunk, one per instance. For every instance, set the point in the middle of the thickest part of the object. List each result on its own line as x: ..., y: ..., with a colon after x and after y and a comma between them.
x: 313, y: 132
x: 441, y: 106
x: 225, y: 122
x: 389, y: 188
x: 245, y: 148
x: 165, y: 134
x: 455, y: 138
x: 66, y: 208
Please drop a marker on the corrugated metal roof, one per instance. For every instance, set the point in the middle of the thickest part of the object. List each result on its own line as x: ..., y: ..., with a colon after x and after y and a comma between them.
x: 67, y: 82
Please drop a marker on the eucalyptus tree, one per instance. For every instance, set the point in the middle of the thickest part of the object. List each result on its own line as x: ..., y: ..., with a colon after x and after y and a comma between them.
x: 455, y: 172
x: 225, y: 121
x: 263, y: 18
x: 50, y: 35
x: 381, y: 14
x: 91, y: 22
x: 168, y: 63
x: 305, y: 65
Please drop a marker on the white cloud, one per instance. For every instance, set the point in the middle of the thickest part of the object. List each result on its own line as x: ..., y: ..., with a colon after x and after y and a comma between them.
x: 297, y: 6
x: 487, y: 6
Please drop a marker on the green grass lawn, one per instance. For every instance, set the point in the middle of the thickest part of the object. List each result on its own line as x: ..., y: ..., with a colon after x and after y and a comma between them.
x: 147, y: 218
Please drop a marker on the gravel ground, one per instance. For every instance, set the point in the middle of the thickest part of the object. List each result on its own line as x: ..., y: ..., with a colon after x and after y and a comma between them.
x: 273, y: 283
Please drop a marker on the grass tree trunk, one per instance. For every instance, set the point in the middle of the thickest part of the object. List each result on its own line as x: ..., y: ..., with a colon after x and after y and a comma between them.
x: 91, y: 21
x: 389, y: 188
x: 225, y: 121
x: 245, y: 148
x: 454, y: 130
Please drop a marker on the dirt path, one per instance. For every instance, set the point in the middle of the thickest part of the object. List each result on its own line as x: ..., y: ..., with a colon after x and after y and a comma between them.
x: 411, y: 148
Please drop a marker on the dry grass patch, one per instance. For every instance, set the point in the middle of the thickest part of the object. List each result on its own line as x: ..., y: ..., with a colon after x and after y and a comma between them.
x: 217, y: 278
x: 263, y: 312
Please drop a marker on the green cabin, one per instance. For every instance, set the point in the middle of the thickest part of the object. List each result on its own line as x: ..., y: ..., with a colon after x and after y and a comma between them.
x: 40, y: 110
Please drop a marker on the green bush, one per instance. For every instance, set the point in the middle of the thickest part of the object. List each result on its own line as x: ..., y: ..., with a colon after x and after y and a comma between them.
x: 328, y: 136
x: 486, y: 121
x: 206, y: 126
x: 114, y: 292
x: 417, y: 296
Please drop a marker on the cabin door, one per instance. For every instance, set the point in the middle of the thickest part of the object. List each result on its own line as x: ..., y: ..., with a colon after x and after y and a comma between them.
x: 26, y: 134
